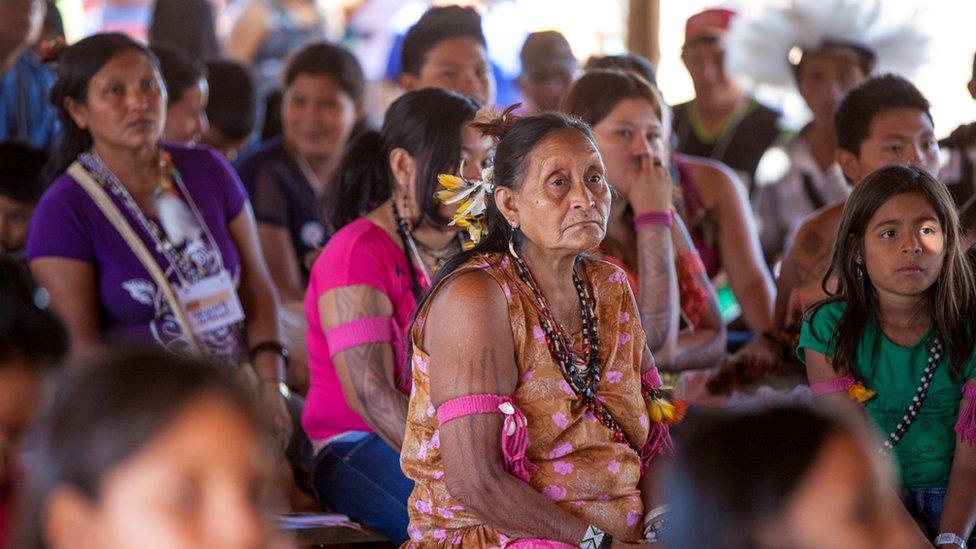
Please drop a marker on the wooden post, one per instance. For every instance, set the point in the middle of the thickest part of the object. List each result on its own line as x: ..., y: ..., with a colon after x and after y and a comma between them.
x: 643, y: 22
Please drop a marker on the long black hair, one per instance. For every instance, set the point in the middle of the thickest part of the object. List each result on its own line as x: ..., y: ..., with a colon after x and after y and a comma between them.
x: 951, y: 299
x: 427, y: 124
x: 76, y: 67
x: 106, y: 415
x: 735, y: 473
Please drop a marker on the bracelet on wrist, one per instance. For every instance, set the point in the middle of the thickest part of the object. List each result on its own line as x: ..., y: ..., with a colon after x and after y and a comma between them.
x: 665, y: 217
x: 656, y: 523
x: 594, y: 538
x: 950, y: 538
x: 269, y: 347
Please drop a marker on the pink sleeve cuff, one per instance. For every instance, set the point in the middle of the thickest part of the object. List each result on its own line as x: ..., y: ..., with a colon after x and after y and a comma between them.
x: 966, y: 425
x: 658, y: 442
x: 362, y: 331
x: 651, y: 380
x: 836, y: 385
x: 515, y: 430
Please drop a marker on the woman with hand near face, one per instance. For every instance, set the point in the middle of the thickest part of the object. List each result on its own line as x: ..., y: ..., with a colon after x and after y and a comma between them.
x: 141, y: 242
x: 678, y: 307
x: 362, y: 294
x: 525, y: 338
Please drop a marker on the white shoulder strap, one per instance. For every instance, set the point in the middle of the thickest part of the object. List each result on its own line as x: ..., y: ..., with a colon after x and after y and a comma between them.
x: 138, y: 247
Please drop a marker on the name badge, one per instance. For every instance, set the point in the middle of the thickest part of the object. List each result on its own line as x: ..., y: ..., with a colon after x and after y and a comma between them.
x: 211, y: 303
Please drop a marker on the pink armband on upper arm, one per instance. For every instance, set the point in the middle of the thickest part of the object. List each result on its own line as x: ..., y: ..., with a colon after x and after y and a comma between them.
x: 828, y: 386
x: 966, y: 425
x: 362, y: 331
x: 515, y: 430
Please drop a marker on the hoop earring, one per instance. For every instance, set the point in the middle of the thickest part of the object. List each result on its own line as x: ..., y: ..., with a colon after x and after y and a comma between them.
x: 859, y: 272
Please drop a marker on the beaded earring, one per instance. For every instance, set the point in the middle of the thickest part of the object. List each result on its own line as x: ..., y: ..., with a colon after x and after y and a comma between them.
x: 511, y: 241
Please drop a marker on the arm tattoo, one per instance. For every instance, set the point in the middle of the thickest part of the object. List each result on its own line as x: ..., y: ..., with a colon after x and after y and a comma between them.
x: 370, y: 368
x: 471, y: 443
x: 658, y: 285
x: 812, y: 243
x: 692, y: 349
x: 707, y: 353
x: 384, y: 407
x: 812, y: 262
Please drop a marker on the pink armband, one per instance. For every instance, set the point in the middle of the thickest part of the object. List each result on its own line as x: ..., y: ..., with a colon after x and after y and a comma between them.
x: 658, y: 442
x: 665, y: 218
x: 651, y: 380
x: 829, y: 386
x: 658, y: 435
x: 515, y: 435
x: 536, y: 543
x: 966, y: 425
x: 362, y: 331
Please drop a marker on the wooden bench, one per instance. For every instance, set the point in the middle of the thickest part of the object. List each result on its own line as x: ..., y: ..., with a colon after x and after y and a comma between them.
x: 324, y: 529
x: 340, y: 536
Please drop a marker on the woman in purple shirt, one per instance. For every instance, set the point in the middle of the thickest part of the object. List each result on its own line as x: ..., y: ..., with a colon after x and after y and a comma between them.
x: 199, y: 284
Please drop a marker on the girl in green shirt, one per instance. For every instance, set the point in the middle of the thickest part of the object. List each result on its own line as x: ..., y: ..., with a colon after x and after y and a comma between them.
x: 896, y: 339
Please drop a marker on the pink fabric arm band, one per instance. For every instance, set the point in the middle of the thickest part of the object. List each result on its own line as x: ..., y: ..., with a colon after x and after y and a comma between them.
x: 536, y: 543
x: 654, y: 218
x: 470, y: 405
x: 373, y: 329
x: 651, y: 380
x: 658, y: 442
x: 829, y: 386
x: 658, y: 435
x: 966, y: 425
x: 515, y: 430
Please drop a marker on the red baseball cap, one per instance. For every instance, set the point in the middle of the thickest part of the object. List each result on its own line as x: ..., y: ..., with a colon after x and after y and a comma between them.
x: 711, y: 23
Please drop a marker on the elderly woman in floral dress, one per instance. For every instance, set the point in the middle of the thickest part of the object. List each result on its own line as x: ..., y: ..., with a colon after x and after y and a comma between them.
x: 537, y: 415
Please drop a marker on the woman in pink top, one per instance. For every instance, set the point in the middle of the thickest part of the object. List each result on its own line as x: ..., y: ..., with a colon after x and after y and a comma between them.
x: 361, y: 298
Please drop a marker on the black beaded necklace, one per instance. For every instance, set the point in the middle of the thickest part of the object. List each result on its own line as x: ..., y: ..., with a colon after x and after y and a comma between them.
x: 935, y: 353
x: 582, y: 373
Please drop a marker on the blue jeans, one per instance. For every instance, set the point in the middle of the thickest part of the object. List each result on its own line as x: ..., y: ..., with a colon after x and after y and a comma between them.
x: 924, y: 503
x: 359, y: 475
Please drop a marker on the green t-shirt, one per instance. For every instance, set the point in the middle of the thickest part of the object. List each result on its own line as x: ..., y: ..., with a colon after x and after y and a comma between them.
x: 924, y: 454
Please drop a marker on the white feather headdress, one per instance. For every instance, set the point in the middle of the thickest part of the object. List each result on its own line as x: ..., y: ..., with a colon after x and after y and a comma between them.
x: 761, y: 45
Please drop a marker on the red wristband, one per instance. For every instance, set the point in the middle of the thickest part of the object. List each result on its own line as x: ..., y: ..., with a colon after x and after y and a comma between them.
x: 665, y: 218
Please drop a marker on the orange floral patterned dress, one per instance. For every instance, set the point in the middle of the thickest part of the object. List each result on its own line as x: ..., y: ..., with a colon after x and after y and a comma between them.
x: 575, y: 460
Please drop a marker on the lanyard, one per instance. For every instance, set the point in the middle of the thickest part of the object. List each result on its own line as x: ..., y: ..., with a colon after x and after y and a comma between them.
x: 189, y: 263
